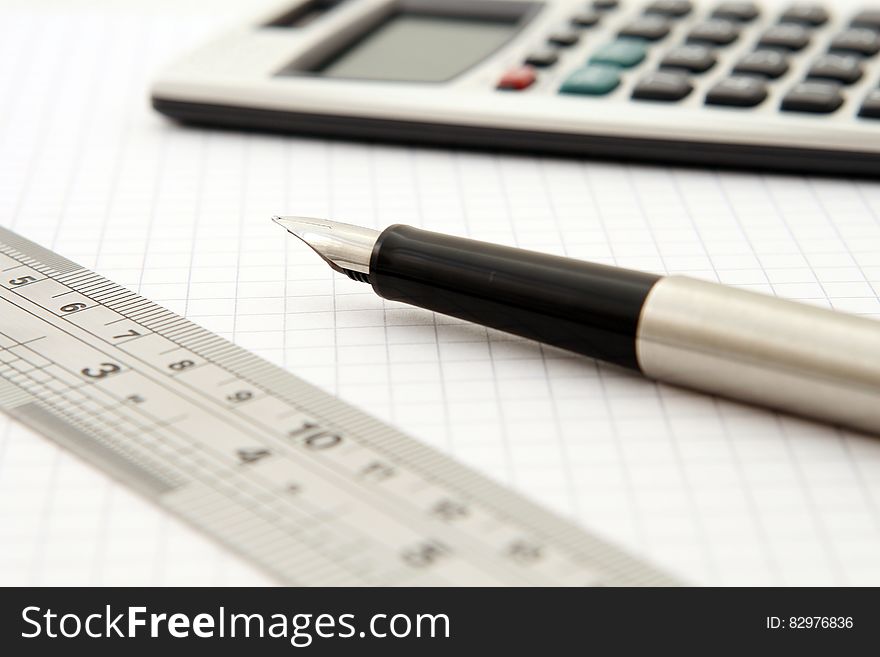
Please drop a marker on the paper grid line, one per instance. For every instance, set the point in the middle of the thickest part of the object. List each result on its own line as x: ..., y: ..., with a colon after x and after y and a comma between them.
x: 715, y: 491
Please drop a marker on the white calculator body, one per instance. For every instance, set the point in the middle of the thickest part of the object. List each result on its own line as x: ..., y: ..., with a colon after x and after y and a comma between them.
x: 755, y: 84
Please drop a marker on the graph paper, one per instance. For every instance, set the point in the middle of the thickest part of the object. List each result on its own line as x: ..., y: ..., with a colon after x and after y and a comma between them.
x: 714, y: 491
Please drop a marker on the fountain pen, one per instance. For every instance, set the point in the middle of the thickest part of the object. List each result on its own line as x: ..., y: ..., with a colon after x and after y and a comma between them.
x: 748, y: 346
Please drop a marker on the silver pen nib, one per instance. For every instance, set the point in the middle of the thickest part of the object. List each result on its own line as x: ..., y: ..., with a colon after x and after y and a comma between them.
x: 344, y: 247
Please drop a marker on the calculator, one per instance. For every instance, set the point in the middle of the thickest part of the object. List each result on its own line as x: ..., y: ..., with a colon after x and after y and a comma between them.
x: 747, y: 84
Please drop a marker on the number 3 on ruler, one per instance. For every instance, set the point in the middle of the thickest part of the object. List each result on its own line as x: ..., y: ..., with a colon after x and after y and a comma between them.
x: 105, y: 370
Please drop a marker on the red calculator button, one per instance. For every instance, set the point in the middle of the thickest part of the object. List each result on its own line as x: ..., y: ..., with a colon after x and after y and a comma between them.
x: 518, y: 78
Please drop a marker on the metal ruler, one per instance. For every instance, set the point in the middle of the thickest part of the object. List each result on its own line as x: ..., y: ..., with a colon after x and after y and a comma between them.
x: 295, y: 481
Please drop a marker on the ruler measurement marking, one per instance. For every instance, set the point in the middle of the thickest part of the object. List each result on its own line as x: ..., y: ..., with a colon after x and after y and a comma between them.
x: 152, y: 313
x: 102, y: 406
x: 85, y: 281
x: 181, y: 333
x: 115, y: 295
x: 143, y: 316
x: 313, y: 548
x: 65, y: 409
x: 128, y: 307
x: 308, y: 555
x: 93, y: 290
x: 166, y: 326
x: 196, y: 346
x: 21, y: 344
x: 78, y: 274
x: 176, y: 347
x: 80, y: 279
x: 131, y: 307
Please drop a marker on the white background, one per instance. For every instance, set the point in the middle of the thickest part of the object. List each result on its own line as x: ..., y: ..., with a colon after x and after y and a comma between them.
x: 714, y: 491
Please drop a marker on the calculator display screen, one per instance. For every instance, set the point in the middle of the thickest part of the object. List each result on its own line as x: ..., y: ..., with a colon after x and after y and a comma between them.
x: 420, y: 48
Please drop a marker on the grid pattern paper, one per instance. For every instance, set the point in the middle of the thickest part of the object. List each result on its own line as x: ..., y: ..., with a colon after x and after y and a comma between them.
x: 714, y: 491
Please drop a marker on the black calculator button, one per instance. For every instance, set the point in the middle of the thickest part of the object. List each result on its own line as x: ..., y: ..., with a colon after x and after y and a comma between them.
x: 805, y: 14
x: 738, y: 91
x: 858, y: 40
x: 743, y: 12
x: 813, y: 97
x: 841, y: 68
x: 542, y: 58
x: 869, y: 19
x: 585, y: 18
x: 693, y: 58
x: 787, y: 35
x: 651, y: 28
x: 871, y: 106
x: 563, y: 38
x: 670, y: 8
x: 663, y: 85
x: 769, y: 63
x: 605, y: 5
x: 715, y: 32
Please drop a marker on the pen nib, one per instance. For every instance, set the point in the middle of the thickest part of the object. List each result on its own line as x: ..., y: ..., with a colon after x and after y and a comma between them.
x: 346, y: 248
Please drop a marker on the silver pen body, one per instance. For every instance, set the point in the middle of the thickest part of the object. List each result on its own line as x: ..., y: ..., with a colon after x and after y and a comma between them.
x: 798, y: 358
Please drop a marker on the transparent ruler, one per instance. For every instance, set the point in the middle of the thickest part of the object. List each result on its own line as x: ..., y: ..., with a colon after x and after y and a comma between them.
x: 295, y: 481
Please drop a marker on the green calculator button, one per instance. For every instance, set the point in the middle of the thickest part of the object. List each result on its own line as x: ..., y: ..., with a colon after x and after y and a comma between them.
x: 625, y: 53
x: 592, y: 80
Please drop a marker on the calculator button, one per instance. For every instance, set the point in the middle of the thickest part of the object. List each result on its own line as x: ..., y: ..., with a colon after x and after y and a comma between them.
x: 813, y: 97
x: 858, y: 40
x: 787, y: 35
x: 869, y: 19
x: 605, y: 5
x: 592, y: 80
x: 769, y: 63
x: 663, y: 85
x: 693, y: 58
x: 518, y: 78
x: 625, y: 53
x: 670, y: 8
x: 585, y: 18
x: 542, y: 58
x: 871, y: 106
x: 563, y: 38
x: 805, y: 14
x: 652, y: 28
x: 743, y: 12
x: 842, y: 68
x: 738, y: 91
x: 715, y: 32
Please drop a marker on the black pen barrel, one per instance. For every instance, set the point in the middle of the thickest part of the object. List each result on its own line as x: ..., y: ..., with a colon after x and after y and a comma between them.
x: 583, y: 307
